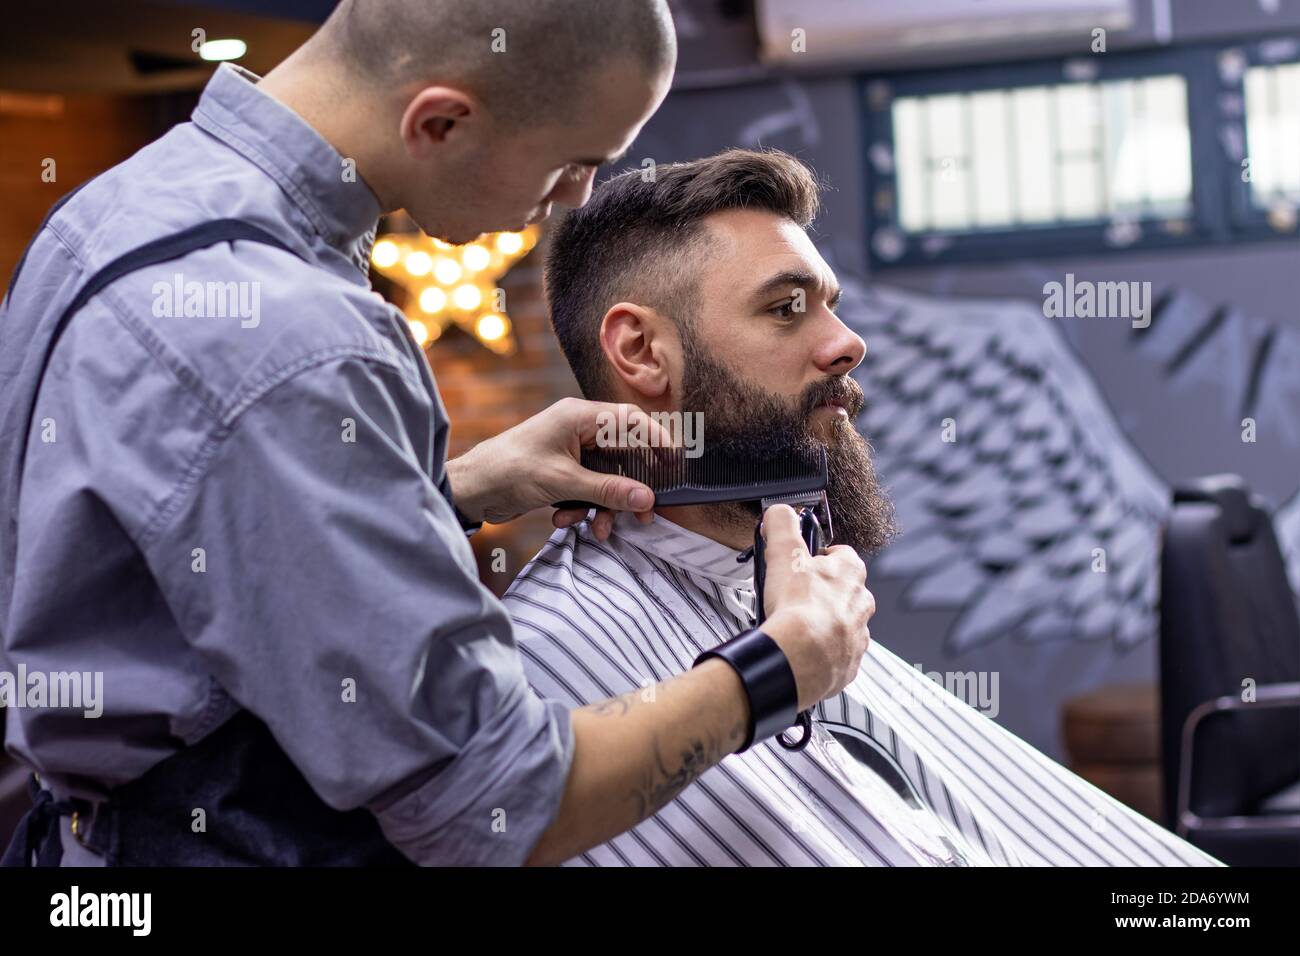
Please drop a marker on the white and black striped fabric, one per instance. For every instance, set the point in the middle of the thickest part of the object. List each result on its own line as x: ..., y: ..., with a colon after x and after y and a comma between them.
x: 899, y: 773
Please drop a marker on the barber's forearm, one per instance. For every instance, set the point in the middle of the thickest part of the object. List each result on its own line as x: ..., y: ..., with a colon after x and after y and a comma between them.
x: 536, y: 463
x: 467, y: 487
x: 635, y: 753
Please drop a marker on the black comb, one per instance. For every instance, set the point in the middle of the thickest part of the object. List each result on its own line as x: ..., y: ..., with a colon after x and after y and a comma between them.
x: 713, y: 476
x: 798, y: 479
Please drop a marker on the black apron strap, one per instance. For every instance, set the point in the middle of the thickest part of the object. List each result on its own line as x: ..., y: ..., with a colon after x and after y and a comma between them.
x: 37, y: 839
x: 38, y: 833
x: 263, y: 810
x: 151, y: 253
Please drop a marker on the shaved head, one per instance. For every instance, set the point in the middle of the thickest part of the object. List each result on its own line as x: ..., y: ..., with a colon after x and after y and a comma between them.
x: 523, y: 59
x: 480, y: 116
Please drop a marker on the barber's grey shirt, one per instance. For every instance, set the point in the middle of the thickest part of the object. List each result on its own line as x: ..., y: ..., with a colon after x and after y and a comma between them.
x: 244, y: 510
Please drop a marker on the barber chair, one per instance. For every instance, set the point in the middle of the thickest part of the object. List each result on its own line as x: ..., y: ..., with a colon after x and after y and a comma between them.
x: 1229, y: 678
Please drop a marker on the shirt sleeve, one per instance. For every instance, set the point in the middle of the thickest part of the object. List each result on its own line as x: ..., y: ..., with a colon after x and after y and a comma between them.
x: 327, y: 584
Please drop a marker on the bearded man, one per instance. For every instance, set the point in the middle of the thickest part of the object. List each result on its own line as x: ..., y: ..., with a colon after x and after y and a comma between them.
x: 698, y: 290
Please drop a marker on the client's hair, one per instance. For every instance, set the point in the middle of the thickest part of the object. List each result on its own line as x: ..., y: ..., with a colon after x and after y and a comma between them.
x: 641, y: 239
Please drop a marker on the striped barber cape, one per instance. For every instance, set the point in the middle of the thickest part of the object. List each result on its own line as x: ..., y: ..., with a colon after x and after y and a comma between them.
x: 899, y: 772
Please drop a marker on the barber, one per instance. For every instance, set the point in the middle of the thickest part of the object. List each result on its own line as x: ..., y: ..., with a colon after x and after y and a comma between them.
x: 250, y: 528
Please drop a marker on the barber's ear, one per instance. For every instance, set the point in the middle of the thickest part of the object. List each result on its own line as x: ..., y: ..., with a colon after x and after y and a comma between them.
x: 431, y: 116
x: 635, y: 341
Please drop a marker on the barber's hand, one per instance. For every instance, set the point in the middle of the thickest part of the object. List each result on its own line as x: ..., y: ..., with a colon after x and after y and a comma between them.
x: 535, y: 464
x: 818, y: 607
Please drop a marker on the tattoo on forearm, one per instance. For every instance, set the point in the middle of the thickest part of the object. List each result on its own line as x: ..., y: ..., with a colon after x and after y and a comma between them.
x: 662, y: 785
x: 668, y: 779
x: 615, y: 706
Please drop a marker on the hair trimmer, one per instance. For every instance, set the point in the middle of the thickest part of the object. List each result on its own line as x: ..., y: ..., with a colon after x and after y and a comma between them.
x: 815, y: 530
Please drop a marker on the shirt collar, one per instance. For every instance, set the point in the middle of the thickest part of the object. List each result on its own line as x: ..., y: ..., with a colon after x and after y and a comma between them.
x: 285, y: 147
x: 686, y: 549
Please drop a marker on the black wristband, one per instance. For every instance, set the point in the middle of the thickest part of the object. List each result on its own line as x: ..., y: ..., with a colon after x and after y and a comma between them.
x: 767, y: 678
x: 467, y: 526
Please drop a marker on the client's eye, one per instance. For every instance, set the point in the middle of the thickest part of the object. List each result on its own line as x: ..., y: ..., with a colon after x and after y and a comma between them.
x: 784, y: 310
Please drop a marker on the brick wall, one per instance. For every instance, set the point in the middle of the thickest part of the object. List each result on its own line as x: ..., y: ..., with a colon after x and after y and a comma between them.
x: 486, y: 393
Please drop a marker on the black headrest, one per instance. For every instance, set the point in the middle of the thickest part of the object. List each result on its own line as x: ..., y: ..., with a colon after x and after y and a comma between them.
x: 1233, y: 498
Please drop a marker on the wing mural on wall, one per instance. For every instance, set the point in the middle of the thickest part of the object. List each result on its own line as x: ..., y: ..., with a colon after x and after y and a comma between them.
x: 1038, y: 519
x: 1286, y: 523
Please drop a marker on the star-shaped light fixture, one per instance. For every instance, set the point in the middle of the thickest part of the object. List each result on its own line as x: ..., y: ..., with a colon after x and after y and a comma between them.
x: 457, y: 284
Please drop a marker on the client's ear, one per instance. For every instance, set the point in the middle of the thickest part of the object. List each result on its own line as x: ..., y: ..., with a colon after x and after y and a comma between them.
x: 637, y: 343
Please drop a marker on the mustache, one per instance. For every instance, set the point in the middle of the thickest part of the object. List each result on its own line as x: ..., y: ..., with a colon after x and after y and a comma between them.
x: 839, y: 390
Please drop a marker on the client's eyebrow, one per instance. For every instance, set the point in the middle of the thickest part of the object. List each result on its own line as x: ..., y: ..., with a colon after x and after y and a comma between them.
x: 800, y: 278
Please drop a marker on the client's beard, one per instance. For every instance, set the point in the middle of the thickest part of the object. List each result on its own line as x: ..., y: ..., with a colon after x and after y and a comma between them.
x: 746, y: 423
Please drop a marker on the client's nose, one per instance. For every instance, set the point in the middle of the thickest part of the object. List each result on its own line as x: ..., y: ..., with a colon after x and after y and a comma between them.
x: 841, y: 350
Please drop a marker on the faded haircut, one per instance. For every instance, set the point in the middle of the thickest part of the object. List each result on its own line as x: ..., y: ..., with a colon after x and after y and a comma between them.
x: 551, y: 47
x: 641, y: 239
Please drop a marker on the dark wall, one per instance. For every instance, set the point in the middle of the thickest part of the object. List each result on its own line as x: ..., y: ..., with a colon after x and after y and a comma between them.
x: 1177, y: 398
